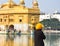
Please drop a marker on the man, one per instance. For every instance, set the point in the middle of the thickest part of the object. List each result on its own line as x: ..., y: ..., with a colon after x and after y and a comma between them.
x: 39, y: 35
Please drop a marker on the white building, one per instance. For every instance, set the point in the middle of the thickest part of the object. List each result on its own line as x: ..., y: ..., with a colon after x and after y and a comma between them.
x: 44, y: 16
x: 48, y: 16
x: 56, y: 14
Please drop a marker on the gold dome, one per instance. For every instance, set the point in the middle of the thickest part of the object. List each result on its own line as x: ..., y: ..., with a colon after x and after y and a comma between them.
x: 8, y: 4
x: 35, y: 3
x: 22, y: 2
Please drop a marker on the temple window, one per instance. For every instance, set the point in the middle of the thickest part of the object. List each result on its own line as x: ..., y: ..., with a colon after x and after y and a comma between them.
x: 0, y: 20
x: 11, y: 20
x: 20, y: 20
x: 4, y: 20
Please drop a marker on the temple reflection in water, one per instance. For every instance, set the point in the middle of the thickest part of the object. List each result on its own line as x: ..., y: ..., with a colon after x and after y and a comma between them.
x: 16, y: 40
x: 28, y: 40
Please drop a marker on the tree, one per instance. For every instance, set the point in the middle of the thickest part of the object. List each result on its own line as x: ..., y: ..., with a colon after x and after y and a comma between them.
x: 53, y: 23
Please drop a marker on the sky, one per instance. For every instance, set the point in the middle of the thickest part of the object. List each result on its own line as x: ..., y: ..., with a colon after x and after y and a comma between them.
x: 47, y: 6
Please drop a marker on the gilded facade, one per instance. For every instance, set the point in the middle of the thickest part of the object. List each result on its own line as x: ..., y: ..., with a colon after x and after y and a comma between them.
x: 11, y: 13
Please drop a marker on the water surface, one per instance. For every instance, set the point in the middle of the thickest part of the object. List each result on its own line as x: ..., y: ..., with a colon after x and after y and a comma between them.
x: 28, y: 40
